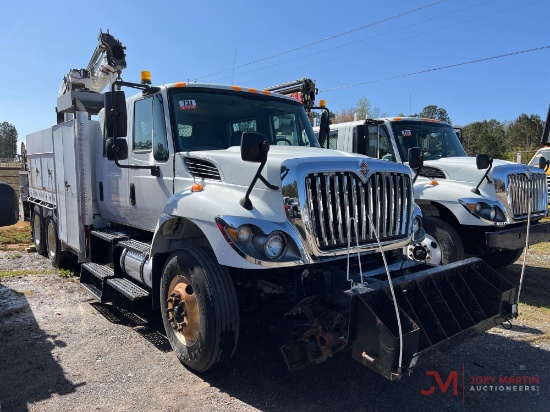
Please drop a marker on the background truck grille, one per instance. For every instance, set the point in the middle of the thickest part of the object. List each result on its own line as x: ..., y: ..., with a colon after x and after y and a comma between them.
x: 333, y: 198
x: 519, y: 189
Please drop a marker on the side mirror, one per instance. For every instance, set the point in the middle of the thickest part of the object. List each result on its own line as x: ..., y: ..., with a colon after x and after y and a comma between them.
x: 116, y: 117
x: 416, y: 160
x: 121, y: 148
x: 542, y: 163
x: 9, y: 213
x: 323, y: 129
x: 254, y: 147
x: 483, y: 161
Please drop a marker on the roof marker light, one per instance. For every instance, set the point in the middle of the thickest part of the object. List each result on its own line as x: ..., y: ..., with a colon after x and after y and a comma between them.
x: 238, y: 88
x: 180, y: 84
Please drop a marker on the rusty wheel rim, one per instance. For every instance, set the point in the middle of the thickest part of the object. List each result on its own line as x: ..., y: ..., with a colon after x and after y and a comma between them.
x: 183, y: 310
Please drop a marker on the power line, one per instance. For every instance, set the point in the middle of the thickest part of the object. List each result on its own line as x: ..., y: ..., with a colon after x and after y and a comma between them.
x: 372, y: 37
x: 355, y: 52
x: 327, y: 38
x: 438, y: 68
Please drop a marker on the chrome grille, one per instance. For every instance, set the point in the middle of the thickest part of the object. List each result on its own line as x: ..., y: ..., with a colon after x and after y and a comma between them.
x: 333, y: 198
x: 519, y: 190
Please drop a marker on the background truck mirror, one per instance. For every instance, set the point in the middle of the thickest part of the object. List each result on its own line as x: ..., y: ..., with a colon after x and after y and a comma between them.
x: 415, y: 158
x: 121, y: 149
x: 483, y: 161
x: 254, y: 147
x: 323, y: 129
x: 543, y: 163
x: 9, y: 206
x: 115, y: 114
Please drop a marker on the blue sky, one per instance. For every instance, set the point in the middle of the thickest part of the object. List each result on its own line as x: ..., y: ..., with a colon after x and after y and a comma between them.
x: 181, y: 41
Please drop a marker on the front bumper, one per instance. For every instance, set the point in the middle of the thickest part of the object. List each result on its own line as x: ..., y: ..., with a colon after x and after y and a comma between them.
x: 515, y: 238
x: 439, y: 309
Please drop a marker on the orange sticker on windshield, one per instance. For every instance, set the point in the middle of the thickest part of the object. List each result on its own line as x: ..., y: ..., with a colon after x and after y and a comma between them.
x: 188, y: 104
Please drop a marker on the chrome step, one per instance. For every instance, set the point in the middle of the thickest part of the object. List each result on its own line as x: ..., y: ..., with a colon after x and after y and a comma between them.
x: 128, y: 288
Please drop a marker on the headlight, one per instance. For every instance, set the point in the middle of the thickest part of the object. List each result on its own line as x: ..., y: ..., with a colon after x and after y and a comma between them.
x: 274, y: 245
x: 493, y: 213
x: 244, y: 234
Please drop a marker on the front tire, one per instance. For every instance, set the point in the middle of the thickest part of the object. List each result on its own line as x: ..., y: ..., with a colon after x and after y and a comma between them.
x: 502, y: 257
x: 199, y: 309
x: 443, y: 241
x: 38, y: 235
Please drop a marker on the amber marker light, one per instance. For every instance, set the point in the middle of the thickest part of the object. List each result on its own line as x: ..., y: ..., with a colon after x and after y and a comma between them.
x: 251, y: 90
x: 266, y: 92
x: 397, y: 118
x: 180, y: 84
x: 146, y: 77
x: 434, y: 183
x: 238, y: 88
x: 322, y: 103
x: 197, y: 187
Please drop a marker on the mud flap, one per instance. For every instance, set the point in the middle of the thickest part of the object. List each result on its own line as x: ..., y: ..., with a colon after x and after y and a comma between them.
x: 439, y: 308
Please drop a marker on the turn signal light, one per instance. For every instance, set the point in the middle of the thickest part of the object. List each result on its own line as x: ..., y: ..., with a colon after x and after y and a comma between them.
x: 197, y: 187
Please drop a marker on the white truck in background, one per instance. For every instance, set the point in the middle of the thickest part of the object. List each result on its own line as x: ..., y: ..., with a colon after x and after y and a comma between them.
x: 175, y: 195
x: 473, y: 206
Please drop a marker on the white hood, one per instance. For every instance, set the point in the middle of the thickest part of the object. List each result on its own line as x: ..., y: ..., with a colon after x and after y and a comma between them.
x: 234, y: 170
x: 464, y: 169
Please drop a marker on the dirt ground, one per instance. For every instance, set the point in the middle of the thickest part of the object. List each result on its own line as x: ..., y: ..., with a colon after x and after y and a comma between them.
x: 62, y: 351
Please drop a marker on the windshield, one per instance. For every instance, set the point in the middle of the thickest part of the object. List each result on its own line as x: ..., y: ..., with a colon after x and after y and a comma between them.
x: 435, y: 139
x: 535, y: 160
x: 207, y: 119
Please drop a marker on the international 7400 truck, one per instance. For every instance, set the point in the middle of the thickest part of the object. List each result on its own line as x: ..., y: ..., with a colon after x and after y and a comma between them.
x: 470, y: 206
x: 175, y: 195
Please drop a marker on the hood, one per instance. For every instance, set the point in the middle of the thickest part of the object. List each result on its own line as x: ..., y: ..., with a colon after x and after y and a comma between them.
x: 234, y: 170
x: 464, y: 169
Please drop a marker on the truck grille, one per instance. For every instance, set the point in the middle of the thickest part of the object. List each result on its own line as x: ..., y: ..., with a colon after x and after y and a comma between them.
x: 334, y: 198
x: 519, y: 189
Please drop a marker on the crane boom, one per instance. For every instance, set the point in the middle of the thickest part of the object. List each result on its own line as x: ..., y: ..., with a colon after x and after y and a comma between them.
x: 106, y: 62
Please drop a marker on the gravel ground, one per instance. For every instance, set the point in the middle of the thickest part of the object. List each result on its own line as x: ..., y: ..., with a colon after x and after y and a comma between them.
x: 61, y: 351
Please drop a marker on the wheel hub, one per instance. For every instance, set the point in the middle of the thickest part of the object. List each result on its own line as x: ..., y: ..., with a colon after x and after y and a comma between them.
x: 427, y: 251
x: 183, y: 311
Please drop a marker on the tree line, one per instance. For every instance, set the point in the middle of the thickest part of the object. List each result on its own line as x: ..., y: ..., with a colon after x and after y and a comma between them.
x: 500, y: 139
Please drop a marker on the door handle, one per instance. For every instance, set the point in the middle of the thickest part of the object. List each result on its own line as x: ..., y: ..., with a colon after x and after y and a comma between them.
x: 132, y: 194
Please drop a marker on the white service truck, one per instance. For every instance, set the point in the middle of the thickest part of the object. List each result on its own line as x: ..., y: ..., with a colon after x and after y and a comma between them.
x: 470, y: 206
x: 175, y: 195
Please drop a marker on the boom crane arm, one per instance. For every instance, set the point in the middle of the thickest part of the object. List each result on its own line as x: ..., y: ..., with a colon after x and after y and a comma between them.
x: 302, y: 90
x: 106, y: 63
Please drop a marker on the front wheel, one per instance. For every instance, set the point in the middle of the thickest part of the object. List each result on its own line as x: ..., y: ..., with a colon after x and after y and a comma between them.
x: 199, y: 309
x: 442, y: 243
x: 502, y: 257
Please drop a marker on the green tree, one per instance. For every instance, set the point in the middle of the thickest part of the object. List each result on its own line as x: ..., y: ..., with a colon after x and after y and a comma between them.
x: 8, y: 140
x: 524, y: 133
x: 434, y: 112
x: 488, y: 136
